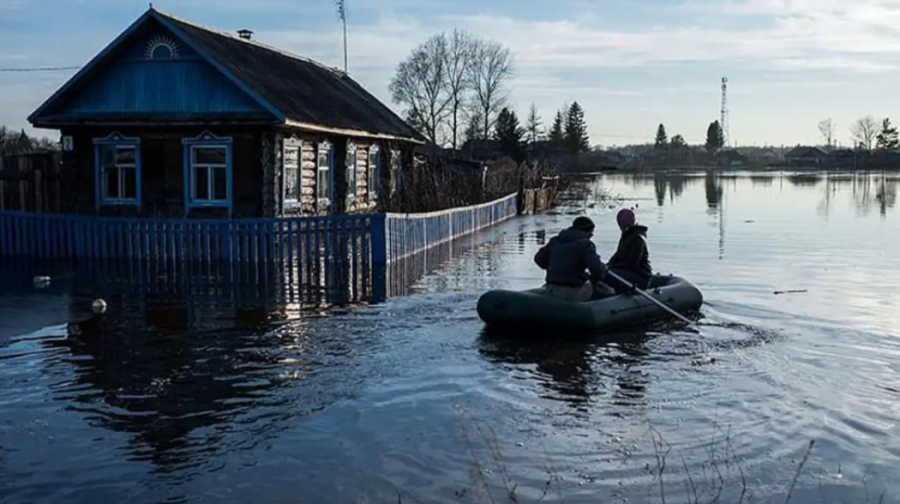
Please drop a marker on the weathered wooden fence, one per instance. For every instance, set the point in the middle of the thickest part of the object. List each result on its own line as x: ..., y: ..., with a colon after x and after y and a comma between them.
x: 340, y: 254
x: 409, y: 234
x: 31, y: 182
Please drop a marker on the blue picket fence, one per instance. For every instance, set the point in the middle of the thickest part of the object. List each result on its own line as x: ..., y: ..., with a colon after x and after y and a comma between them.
x: 346, y: 253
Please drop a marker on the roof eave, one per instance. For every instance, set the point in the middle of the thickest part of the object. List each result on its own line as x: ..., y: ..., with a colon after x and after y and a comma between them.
x: 351, y: 132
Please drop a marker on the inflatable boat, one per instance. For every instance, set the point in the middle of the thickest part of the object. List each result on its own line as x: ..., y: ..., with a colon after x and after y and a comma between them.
x: 535, y: 308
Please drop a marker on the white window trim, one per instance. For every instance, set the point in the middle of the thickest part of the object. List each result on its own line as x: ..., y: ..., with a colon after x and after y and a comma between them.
x: 371, y: 174
x: 352, y: 172
x: 210, y: 180
x: 104, y: 191
x: 324, y: 202
x: 292, y: 201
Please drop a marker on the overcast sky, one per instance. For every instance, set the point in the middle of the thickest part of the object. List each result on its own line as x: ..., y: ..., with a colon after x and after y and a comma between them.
x: 631, y: 64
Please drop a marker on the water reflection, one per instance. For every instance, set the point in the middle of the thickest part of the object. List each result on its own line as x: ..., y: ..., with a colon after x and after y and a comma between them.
x: 152, y: 370
x: 574, y: 370
x: 868, y: 190
x: 713, y: 188
x: 672, y: 183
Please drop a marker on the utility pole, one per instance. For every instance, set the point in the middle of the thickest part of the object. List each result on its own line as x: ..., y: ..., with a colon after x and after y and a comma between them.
x: 342, y: 14
x: 723, y: 113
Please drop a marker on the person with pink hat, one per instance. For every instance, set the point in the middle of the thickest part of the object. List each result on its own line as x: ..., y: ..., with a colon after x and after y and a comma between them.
x: 631, y: 260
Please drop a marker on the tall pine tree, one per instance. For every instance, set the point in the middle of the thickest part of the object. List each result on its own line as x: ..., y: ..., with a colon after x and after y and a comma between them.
x: 509, y: 134
x: 662, y: 140
x: 575, y: 130
x: 887, y: 139
x: 556, y: 137
x: 715, y: 137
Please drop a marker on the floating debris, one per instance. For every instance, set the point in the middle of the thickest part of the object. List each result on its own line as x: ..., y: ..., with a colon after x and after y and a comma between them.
x: 98, y: 306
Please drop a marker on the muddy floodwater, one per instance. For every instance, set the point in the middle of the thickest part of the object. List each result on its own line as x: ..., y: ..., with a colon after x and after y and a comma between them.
x: 790, y: 392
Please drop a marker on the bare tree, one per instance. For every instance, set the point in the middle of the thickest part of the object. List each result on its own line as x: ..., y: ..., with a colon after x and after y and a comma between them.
x: 826, y: 129
x: 420, y: 85
x: 489, y: 73
x: 863, y: 132
x: 458, y: 58
x: 533, y: 124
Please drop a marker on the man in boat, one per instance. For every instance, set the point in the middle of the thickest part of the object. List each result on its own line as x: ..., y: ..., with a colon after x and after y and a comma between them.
x: 632, y: 258
x: 574, y: 269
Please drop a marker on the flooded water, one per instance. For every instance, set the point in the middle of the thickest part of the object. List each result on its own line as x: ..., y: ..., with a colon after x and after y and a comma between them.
x: 189, y: 398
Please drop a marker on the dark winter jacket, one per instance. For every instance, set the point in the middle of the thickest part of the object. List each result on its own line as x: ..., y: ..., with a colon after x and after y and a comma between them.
x: 632, y: 253
x: 566, y: 257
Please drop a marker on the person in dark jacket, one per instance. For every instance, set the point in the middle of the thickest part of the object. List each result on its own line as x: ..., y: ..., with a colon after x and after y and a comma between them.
x: 572, y: 264
x: 632, y: 258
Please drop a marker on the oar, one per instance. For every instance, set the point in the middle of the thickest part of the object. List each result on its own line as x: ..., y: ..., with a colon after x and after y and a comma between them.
x: 651, y: 298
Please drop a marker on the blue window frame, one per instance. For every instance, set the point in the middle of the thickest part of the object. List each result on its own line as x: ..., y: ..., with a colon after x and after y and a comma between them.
x: 117, y: 171
x: 208, y: 172
x: 324, y: 176
x: 291, y: 172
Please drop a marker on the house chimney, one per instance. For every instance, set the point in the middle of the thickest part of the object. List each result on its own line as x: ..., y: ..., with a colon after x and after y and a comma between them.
x: 245, y: 34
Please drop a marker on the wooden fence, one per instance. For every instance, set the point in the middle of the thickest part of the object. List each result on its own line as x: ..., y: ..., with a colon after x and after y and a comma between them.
x: 31, y: 182
x: 409, y: 234
x: 344, y: 254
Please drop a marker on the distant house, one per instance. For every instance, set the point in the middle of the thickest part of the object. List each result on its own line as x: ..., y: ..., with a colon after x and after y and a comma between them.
x: 481, y: 149
x: 174, y: 119
x: 764, y: 156
x: 843, y: 158
x: 730, y: 157
x: 805, y: 156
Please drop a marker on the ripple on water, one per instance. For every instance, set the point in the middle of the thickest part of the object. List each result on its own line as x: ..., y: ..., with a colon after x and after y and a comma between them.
x: 410, y: 397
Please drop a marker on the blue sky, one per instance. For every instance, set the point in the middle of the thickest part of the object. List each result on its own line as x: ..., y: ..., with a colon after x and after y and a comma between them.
x: 631, y: 64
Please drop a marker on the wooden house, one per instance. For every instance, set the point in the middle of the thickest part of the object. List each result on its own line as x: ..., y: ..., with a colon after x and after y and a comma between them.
x: 805, y: 156
x: 173, y: 119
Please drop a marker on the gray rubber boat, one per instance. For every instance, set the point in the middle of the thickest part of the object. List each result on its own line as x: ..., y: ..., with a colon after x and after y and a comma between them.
x: 534, y: 308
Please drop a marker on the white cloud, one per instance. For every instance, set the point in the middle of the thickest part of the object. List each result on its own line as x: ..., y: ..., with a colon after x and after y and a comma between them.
x: 558, y: 60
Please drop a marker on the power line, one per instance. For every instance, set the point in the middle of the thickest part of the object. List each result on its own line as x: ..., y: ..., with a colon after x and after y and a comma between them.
x: 40, y: 69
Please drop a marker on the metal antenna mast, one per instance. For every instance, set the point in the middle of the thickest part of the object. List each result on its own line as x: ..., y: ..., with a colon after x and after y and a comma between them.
x: 342, y: 14
x: 723, y: 114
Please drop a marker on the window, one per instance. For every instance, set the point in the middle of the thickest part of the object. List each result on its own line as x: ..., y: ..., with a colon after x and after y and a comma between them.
x: 291, y: 172
x: 207, y: 176
x: 372, y: 175
x: 117, y: 170
x: 323, y: 175
x: 352, y: 160
x: 118, y: 167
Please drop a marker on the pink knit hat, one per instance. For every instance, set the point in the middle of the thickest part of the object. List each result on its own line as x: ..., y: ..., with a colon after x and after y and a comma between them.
x: 625, y: 218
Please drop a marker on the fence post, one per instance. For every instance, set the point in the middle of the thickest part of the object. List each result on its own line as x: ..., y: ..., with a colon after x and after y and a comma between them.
x: 379, y: 256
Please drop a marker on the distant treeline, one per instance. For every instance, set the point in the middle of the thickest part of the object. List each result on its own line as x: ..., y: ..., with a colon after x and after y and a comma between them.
x: 19, y: 142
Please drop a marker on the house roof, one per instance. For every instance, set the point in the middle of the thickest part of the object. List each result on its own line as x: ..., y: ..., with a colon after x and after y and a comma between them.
x: 299, y: 91
x: 805, y: 151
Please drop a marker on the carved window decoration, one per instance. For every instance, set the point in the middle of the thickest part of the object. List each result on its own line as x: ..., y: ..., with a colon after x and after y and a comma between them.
x: 117, y: 170
x: 208, y: 171
x: 290, y: 160
x: 352, y: 164
x: 324, y: 161
x: 372, y: 175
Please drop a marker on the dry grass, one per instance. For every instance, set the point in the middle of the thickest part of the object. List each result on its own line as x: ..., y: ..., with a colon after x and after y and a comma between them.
x: 490, y: 481
x: 438, y: 184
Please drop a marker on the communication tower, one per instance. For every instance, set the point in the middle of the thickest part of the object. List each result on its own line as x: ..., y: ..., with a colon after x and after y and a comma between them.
x: 723, y: 114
